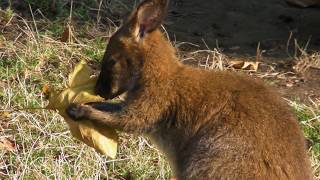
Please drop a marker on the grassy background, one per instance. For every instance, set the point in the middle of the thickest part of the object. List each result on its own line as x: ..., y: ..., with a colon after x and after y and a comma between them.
x: 32, y: 55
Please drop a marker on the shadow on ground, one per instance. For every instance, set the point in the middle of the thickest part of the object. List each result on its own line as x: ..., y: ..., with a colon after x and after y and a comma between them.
x: 238, y: 26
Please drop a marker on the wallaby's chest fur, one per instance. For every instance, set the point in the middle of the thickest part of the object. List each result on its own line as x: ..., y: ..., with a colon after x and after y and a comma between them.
x: 210, y: 125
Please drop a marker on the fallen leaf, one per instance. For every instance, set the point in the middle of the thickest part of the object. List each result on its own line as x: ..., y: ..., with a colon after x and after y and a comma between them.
x: 236, y: 64
x: 80, y: 89
x: 251, y: 66
x: 6, y: 144
x: 245, y: 65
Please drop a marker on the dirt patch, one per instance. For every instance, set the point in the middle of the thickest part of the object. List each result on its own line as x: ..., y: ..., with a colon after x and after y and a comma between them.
x: 238, y: 26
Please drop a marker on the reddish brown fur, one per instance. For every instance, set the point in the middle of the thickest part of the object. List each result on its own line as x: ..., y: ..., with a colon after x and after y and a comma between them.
x: 211, y: 125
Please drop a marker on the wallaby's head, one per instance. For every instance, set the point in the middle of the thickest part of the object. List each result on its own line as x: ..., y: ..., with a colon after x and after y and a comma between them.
x: 123, y: 58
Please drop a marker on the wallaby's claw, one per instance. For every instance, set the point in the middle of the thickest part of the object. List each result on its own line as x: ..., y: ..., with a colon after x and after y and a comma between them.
x: 76, y: 111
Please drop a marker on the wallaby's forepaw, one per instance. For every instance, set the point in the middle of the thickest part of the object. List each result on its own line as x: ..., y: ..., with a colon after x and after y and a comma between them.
x: 77, y: 111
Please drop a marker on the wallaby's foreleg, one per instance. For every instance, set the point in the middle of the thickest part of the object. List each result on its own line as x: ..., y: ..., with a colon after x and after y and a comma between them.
x: 107, y: 106
x: 131, y: 120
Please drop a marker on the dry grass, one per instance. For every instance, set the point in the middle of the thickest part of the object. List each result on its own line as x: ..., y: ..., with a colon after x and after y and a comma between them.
x: 306, y: 61
x: 31, y: 56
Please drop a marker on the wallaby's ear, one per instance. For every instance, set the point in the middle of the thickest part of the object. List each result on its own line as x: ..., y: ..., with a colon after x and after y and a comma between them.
x: 150, y: 14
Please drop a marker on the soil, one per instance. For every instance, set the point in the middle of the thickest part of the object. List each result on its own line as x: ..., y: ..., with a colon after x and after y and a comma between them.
x: 238, y: 26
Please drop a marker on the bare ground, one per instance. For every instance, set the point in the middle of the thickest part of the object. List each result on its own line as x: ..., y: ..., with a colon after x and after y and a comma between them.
x: 238, y: 26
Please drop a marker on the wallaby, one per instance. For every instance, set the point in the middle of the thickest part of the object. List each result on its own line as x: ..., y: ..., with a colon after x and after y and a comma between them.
x: 209, y: 124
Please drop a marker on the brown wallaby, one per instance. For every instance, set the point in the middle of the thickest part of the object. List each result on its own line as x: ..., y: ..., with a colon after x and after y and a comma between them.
x: 210, y: 125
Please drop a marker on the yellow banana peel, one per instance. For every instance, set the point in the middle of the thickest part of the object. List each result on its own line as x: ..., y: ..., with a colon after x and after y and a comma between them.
x: 80, y: 89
